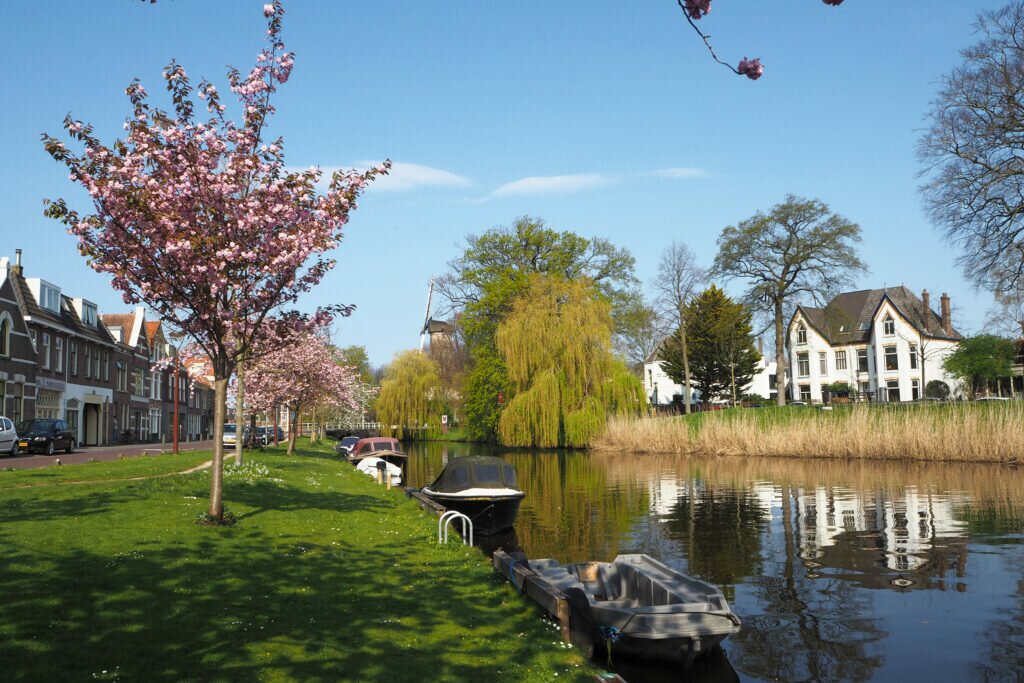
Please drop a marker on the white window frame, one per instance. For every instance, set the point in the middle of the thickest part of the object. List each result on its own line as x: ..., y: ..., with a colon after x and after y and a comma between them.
x: 73, y: 357
x: 801, y: 334
x: 823, y: 363
x: 46, y: 351
x: 888, y: 326
x: 803, y: 364
x: 891, y: 352
x: 913, y: 356
x: 841, y: 359
x: 58, y: 350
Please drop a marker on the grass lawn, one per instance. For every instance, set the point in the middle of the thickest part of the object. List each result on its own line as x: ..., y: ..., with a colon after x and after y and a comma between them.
x: 326, y: 576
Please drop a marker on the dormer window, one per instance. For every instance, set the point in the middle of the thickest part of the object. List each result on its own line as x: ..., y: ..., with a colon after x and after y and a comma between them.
x: 889, y: 326
x: 49, y: 298
x: 801, y: 334
x: 89, y: 315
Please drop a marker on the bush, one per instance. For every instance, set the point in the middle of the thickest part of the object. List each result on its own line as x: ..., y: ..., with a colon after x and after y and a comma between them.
x: 937, y: 389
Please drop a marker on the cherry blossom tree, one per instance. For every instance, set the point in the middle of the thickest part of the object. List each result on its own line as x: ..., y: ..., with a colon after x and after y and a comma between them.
x: 302, y: 376
x: 199, y: 219
x: 695, y: 10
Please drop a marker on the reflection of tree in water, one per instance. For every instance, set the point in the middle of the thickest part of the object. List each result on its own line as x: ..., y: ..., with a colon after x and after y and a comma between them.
x: 1002, y: 648
x: 571, y: 511
x: 808, y: 629
x: 721, y: 531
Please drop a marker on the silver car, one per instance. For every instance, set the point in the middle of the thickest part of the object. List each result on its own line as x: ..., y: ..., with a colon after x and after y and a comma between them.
x: 8, y: 438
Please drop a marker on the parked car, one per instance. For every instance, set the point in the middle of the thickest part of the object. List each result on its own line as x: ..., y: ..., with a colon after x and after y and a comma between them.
x: 230, y: 435
x: 344, y: 447
x: 45, y: 436
x: 264, y: 436
x: 8, y: 437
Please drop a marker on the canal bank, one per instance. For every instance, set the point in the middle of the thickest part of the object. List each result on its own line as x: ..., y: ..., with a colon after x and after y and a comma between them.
x: 326, y: 576
x: 840, y: 570
x: 945, y: 432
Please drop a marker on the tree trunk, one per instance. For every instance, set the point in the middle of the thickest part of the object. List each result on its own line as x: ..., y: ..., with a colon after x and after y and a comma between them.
x: 293, y: 432
x: 220, y: 396
x: 780, y: 357
x: 686, y: 370
x: 240, y: 412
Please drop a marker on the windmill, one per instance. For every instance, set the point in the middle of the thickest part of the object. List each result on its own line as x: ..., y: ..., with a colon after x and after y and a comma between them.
x: 425, y: 330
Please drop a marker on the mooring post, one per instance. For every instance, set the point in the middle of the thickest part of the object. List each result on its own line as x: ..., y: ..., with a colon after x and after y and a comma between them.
x: 562, y: 607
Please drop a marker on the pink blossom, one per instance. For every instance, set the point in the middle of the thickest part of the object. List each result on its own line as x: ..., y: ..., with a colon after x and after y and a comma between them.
x: 268, y: 10
x: 696, y: 9
x: 751, y: 68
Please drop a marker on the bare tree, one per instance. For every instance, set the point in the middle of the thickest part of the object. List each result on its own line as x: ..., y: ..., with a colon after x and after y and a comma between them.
x: 637, y: 331
x: 680, y: 278
x: 973, y: 154
x: 798, y: 251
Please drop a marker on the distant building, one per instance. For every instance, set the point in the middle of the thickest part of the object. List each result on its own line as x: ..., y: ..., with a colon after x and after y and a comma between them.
x: 662, y: 390
x: 884, y: 344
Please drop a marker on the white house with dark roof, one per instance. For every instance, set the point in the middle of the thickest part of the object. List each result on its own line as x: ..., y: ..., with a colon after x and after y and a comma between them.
x: 886, y: 344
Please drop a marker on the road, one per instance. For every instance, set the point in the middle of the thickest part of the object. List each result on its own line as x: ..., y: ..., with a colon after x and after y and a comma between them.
x: 85, y: 454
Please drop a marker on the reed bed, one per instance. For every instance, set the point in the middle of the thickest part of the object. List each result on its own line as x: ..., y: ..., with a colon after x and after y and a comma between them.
x: 948, y: 432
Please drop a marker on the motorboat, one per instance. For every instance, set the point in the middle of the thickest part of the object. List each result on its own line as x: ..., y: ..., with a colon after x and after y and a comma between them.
x: 641, y: 607
x: 345, y: 445
x: 371, y: 466
x: 483, y: 488
x: 383, y: 447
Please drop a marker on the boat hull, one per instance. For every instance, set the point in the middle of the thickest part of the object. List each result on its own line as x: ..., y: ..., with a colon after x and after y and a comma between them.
x: 490, y: 515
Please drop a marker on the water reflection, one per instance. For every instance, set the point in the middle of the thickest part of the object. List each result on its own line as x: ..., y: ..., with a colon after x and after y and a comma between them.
x: 840, y: 571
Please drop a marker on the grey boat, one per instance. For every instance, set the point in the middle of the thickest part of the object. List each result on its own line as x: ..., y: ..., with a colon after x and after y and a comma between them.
x: 642, y: 607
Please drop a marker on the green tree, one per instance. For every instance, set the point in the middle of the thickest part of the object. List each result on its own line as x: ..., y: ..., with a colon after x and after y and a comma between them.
x: 979, y: 361
x: 722, y: 352
x: 800, y: 249
x: 493, y: 272
x: 556, y: 343
x: 409, y: 395
x: 355, y: 357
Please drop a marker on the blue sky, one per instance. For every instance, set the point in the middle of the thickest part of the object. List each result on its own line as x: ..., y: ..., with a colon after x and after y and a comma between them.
x: 604, y: 118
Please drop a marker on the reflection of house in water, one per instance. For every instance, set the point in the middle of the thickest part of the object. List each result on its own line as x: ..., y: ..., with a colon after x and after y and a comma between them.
x: 874, y: 538
x: 883, y: 539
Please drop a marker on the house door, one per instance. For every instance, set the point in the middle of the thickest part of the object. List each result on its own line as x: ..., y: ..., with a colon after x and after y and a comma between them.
x: 91, y: 424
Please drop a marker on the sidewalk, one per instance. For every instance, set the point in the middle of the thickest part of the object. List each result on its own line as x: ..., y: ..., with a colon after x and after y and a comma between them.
x: 102, y: 453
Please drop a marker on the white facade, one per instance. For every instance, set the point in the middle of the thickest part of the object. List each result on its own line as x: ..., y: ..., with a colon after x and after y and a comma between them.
x: 892, y: 360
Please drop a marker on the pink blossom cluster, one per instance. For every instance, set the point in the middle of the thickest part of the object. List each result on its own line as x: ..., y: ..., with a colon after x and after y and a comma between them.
x: 199, y: 219
x: 304, y: 375
x: 751, y: 68
x: 696, y: 9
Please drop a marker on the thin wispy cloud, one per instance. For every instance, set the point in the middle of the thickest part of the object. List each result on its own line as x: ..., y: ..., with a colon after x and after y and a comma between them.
x: 680, y: 173
x: 552, y: 184
x: 405, y: 176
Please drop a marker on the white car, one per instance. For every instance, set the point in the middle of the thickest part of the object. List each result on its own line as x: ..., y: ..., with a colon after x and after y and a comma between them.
x: 8, y: 437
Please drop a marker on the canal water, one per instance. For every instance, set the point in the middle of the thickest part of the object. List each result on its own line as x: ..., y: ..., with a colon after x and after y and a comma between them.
x: 840, y: 571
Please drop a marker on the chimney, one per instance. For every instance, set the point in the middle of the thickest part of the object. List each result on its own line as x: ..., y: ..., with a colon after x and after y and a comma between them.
x: 17, y: 262
x: 947, y: 318
x: 926, y: 302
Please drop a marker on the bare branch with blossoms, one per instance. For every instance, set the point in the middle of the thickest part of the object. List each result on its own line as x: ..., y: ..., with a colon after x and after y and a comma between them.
x: 200, y: 220
x: 694, y: 10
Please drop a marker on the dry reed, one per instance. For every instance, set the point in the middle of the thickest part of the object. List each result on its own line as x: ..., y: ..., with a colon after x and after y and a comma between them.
x: 957, y: 432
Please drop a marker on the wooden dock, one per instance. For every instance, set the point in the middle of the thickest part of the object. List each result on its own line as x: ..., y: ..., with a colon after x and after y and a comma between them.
x: 526, y: 581
x: 425, y: 502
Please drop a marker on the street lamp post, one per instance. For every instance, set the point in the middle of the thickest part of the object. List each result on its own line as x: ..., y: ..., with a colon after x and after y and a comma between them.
x: 177, y: 379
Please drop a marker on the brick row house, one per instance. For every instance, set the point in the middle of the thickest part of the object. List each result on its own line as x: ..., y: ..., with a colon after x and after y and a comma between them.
x: 60, y: 358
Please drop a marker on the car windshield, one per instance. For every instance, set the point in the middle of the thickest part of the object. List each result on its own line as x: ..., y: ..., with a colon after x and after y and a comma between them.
x: 35, y: 425
x: 230, y: 428
x: 349, y: 440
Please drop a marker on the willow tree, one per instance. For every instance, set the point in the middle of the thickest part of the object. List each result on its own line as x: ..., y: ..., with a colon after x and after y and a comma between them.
x: 556, y: 344
x: 410, y: 394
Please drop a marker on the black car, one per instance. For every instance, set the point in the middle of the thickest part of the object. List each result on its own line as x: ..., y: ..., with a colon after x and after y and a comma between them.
x: 45, y: 436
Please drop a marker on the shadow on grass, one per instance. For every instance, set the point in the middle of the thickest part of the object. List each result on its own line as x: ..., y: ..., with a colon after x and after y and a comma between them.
x: 311, y: 585
x: 218, y: 612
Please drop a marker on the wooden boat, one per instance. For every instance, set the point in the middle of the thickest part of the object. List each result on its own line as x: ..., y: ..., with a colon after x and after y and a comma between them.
x: 483, y: 488
x: 385, y: 448
x: 641, y: 607
x: 371, y: 465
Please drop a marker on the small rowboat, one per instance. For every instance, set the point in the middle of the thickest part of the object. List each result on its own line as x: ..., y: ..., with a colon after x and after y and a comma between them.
x: 642, y: 607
